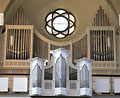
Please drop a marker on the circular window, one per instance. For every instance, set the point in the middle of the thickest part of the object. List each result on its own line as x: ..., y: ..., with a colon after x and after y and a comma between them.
x: 60, y: 23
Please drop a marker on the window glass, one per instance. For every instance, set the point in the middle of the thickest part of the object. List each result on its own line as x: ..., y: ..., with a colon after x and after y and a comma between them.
x: 60, y: 23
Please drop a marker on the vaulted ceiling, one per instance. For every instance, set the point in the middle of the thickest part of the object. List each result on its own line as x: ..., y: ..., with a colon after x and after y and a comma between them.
x: 83, y: 10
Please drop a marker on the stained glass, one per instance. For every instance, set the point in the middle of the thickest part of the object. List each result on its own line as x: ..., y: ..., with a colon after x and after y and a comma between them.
x: 49, y: 29
x: 60, y: 23
x: 49, y: 17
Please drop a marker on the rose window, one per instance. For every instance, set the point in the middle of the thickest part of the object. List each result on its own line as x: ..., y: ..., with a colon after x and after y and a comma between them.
x: 60, y: 23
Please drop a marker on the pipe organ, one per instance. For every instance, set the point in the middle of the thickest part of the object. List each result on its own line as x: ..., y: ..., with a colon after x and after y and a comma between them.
x: 18, y: 42
x: 19, y: 17
x: 102, y: 38
x: 80, y: 45
x: 19, y: 37
x: 102, y: 44
x: 101, y: 18
x: 96, y: 42
x: 60, y: 77
x: 40, y: 48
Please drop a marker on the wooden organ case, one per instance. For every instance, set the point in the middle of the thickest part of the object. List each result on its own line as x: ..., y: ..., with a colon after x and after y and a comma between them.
x: 102, y: 42
x: 17, y: 41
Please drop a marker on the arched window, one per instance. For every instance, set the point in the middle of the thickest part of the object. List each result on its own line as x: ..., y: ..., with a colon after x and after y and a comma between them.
x: 60, y: 23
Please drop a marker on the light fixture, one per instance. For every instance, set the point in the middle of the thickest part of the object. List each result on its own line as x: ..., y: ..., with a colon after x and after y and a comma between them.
x: 2, y: 16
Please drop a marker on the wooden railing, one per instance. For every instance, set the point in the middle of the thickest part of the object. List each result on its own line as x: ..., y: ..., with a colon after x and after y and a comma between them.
x: 26, y: 63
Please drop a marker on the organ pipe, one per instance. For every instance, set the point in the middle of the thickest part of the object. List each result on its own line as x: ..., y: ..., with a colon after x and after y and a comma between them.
x: 101, y: 18
x: 102, y: 44
x: 108, y: 39
x: 18, y: 44
x: 11, y: 40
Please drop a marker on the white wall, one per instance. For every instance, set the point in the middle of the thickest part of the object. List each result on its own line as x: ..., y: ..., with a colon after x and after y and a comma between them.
x: 102, y: 85
x: 116, y: 85
x: 4, y: 84
x: 20, y: 84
